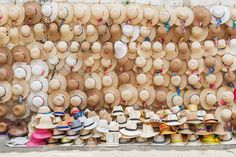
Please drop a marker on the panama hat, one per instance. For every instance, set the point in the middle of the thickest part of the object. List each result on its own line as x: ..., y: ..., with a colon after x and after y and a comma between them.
x: 49, y: 49
x: 56, y: 82
x: 164, y: 36
x: 4, y: 15
x: 130, y: 33
x: 118, y: 111
x: 20, y: 88
x: 91, y: 33
x: 127, y: 76
x: 216, y: 32
x: 184, y: 16
x: 160, y: 65
x: 146, y: 95
x: 85, y: 134
x: 178, y: 66
x: 145, y: 49
x: 167, y: 17
x: 99, y: 14
x: 148, y: 131
x: 4, y: 36
x: 95, y: 99
x: 198, y: 33
x: 222, y: 47
x: 36, y: 50
x: 134, y: 13
x: 50, y: 11
x: 209, y: 48
x: 117, y: 13
x: 14, y: 35
x: 213, y: 80
x: 202, y: 16
x: 78, y: 98
x: 33, y: 13
x: 210, y: 119
x: 171, y: 51
x: 6, y: 73
x: 181, y: 34
x: 178, y: 81
x: 75, y: 81
x: 21, y: 70
x: 5, y: 91
x: 39, y: 68
x: 16, y: 14
x: 213, y: 63
x: 58, y: 98
x: 173, y: 120
x: 225, y: 95
x: 229, y: 63
x: 196, y: 50
x: 111, y: 96
x: 195, y: 65
x: 208, y: 98
x: 223, y: 113
x: 109, y: 79
x: 92, y: 80
x: 220, y: 14
x: 6, y: 56
x: 158, y: 51
x: 129, y: 94
x: 35, y: 100
x: 142, y: 78
x: 38, y: 83
x: 173, y: 99
x: 53, y: 32
x: 142, y: 64
x: 66, y: 32
x: 150, y: 16
x: 40, y: 32
x: 20, y: 53
x: 130, y: 130
x: 65, y: 13
x: 45, y: 123
x: 82, y: 13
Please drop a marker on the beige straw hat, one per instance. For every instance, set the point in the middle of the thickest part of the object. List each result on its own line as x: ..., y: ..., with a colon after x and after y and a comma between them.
x: 99, y: 14
x: 134, y: 13
x: 208, y: 98
x: 82, y: 13
x: 129, y: 94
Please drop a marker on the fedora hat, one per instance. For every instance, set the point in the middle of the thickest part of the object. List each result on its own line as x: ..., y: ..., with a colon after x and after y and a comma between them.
x: 16, y: 14
x: 62, y: 50
x: 111, y: 96
x: 173, y: 99
x: 96, y: 48
x: 35, y: 100
x: 166, y: 129
x: 220, y: 14
x: 118, y: 111
x: 184, y: 16
x: 20, y: 88
x: 229, y: 63
x: 50, y: 11
x: 146, y: 95
x: 99, y: 14
x: 121, y: 49
x: 14, y: 35
x: 223, y: 113
x: 26, y: 34
x: 21, y: 70
x: 65, y: 13
x: 53, y: 32
x: 216, y: 32
x: 90, y: 124
x: 62, y: 126
x: 58, y: 98
x: 36, y: 50
x: 57, y: 82
x: 181, y: 34
x: 130, y: 130
x: 150, y: 16
x: 92, y: 80
x: 91, y: 33
x: 158, y: 51
x: 6, y: 73
x: 196, y: 50
x: 40, y: 32
x: 116, y: 32
x: 144, y: 49
x: 4, y: 14
x: 164, y: 36
x: 173, y: 120
x: 129, y: 94
x: 78, y: 99
x: 75, y: 81
x: 192, y: 97
x: 160, y: 65
x: 202, y: 16
x: 4, y: 36
x: 177, y: 66
x: 179, y: 81
x: 142, y: 64
x: 67, y: 33
x: 45, y: 123
x: 20, y: 53
x: 222, y: 47
x: 5, y: 91
x: 183, y: 51
x: 210, y: 119
x: 195, y: 65
x: 134, y: 14
x: 121, y: 120
x: 109, y: 79
x: 209, y: 48
x: 102, y: 126
x: 130, y: 33
x: 33, y: 13
x: 117, y: 13
x: 208, y: 98
x: 49, y: 49
x: 198, y: 33
x: 6, y: 56
x: 148, y: 131
x: 82, y: 13
x: 104, y: 33
x: 39, y: 68
x: 171, y: 51
x: 167, y: 17
x: 177, y: 139
x: 225, y: 95
x: 95, y: 99
x: 212, y: 64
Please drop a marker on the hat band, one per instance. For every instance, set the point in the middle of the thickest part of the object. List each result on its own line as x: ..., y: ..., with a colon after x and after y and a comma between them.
x: 59, y: 113
x: 66, y: 142
x: 210, y: 120
x: 89, y: 125
x: 58, y: 135
x: 85, y: 134
x: 193, y: 140
x: 77, y: 127
x: 167, y: 121
x: 227, y: 140
x: 123, y: 122
x: 128, y: 129
x: 62, y: 127
x: 113, y: 130
x: 133, y: 119
x: 118, y: 111
x: 72, y: 135
x: 44, y: 113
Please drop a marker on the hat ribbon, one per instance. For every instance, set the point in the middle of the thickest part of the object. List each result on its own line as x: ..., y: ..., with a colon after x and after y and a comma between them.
x: 218, y: 19
x: 211, y: 70
x: 222, y: 102
x: 5, y: 91
x: 233, y: 86
x: 128, y: 129
x: 77, y: 126
x: 64, y: 19
x: 89, y: 125
x: 167, y: 25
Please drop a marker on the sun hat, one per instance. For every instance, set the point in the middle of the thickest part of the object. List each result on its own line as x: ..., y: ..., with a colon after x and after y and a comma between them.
x: 92, y: 80
x: 117, y: 13
x: 16, y: 14
x: 230, y: 32
x: 45, y: 123
x: 58, y: 98
x: 79, y: 33
x: 107, y: 51
x: 167, y: 17
x: 220, y: 14
x: 82, y: 13
x: 41, y: 134
x: 158, y: 51
x: 166, y: 129
x: 229, y: 77
x: 147, y: 33
x: 202, y: 16
x: 56, y: 82
x: 160, y: 140
x: 89, y: 124
x: 65, y: 13
x: 198, y: 33
x: 150, y: 16
x: 40, y: 32
x: 121, y: 120
x: 55, y: 62
x: 99, y: 14
x: 208, y: 98
x: 19, y: 109
x: 35, y: 50
x: 96, y: 48
x: 91, y: 64
x: 104, y: 33
x: 108, y: 65
x: 21, y: 70
x: 184, y: 129
x: 26, y: 34
x: 225, y: 95
x: 178, y: 82
x: 232, y: 45
x: 130, y: 130
x: 196, y: 50
x: 116, y: 32
x: 210, y: 119
x: 35, y: 143
x: 134, y: 14
x: 124, y: 64
x: 5, y: 38
x: 223, y: 113
x: 181, y: 34
x: 191, y: 97
x: 44, y: 111
x: 171, y: 51
x: 53, y: 32
x: 13, y: 34
x: 50, y: 49
x: 215, y: 32
x: 20, y: 54
x: 73, y: 63
x: 117, y: 111
x: 195, y: 65
x: 173, y: 99
x: 161, y: 93
x: 183, y: 51
x: 58, y: 134
x: 20, y: 88
x: 6, y: 73
x: 222, y: 47
x: 148, y: 131
x: 75, y: 81
x: 70, y: 134
x: 177, y: 139
x: 78, y: 99
x: 66, y: 32
x: 160, y: 65
x: 227, y: 139
x: 50, y: 11
x: 142, y: 64
x: 128, y: 76
x: 229, y: 63
x: 35, y: 100
x: 231, y: 21
x: 195, y: 80
x: 33, y: 13
x: 4, y: 15
x: 164, y: 36
x: 184, y: 16
x: 209, y: 48
x: 144, y: 49
x: 39, y: 68
x: 146, y: 95
x: 91, y: 33
x: 177, y: 66
x: 111, y: 96
x: 95, y: 99
x: 192, y: 118
x: 120, y: 49
x: 130, y: 33
x: 62, y: 126
x: 213, y: 64
x: 129, y: 93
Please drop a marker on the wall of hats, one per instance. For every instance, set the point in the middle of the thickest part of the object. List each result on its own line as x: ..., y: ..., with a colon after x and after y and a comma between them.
x: 116, y: 74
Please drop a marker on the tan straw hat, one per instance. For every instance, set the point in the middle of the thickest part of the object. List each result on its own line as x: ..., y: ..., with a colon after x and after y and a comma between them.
x: 134, y: 13
x: 5, y: 91
x: 111, y: 96
x: 129, y: 94
x: 208, y: 98
x: 184, y: 16
x: 16, y: 14
x: 99, y: 14
x: 33, y: 13
x: 82, y: 13
x: 59, y: 98
x: 202, y: 16
x: 78, y: 99
x: 117, y: 13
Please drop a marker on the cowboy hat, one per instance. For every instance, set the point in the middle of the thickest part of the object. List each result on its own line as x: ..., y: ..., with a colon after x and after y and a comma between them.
x: 5, y: 91
x: 134, y: 13
x: 95, y: 99
x: 178, y: 82
x: 202, y: 16
x: 58, y: 98
x: 67, y: 33
x: 37, y: 99
x: 144, y: 49
x: 40, y: 32
x: 208, y: 98
x: 99, y: 14
x: 4, y: 36
x: 150, y: 16
x: 111, y: 96
x: 50, y: 11
x: 20, y: 88
x: 53, y: 32
x: 220, y: 14
x: 21, y: 70
x: 4, y: 14
x: 78, y: 98
x: 129, y: 94
x: 117, y: 13
x: 16, y: 14
x: 36, y: 50
x: 209, y: 48
x: 146, y: 95
x: 184, y: 16
x: 82, y: 13
x: 130, y: 33
x: 195, y: 65
x: 167, y: 17
x: 65, y: 13
x: 33, y: 13
x: 56, y: 82
x: 20, y: 53
x: 6, y: 56
x: 92, y: 80
x: 198, y: 33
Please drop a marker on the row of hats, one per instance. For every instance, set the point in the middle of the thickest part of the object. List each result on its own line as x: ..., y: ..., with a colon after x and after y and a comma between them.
x: 97, y: 14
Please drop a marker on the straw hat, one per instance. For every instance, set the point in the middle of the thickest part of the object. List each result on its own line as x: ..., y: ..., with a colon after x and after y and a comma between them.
x: 50, y: 11
x: 20, y: 88
x: 129, y: 94
x: 92, y: 80
x: 91, y: 64
x: 120, y: 49
x: 177, y: 66
x: 209, y: 48
x: 160, y: 140
x: 181, y: 34
x: 195, y: 65
x: 134, y: 13
x: 130, y: 130
x: 104, y: 33
x: 213, y: 80
x: 116, y: 32
x: 171, y: 51
x: 196, y: 50
x: 16, y: 14
x: 225, y: 95
x: 6, y: 73
x: 150, y: 16
x: 26, y: 34
x: 79, y: 33
x: 232, y: 46
x: 222, y: 47
x: 65, y: 13
x: 183, y: 51
x: 91, y: 33
x: 213, y: 63
x: 109, y: 79
x: 39, y: 68
x: 160, y: 66
x: 21, y: 70
x: 57, y: 82
x: 210, y: 119
x: 142, y: 64
x: 208, y: 98
x: 75, y: 81
x: 40, y: 32
x: 229, y: 63
x: 111, y: 96
x: 67, y: 33
x: 36, y: 50
x: 6, y: 56
x: 78, y: 99
x: 119, y: 112
x: 45, y: 123
x: 49, y: 49
x: 231, y: 32
x: 184, y: 16
x: 58, y: 98
x: 202, y: 16
x: 14, y: 35
x: 173, y: 99
x: 146, y: 33
x: 4, y: 14
x: 178, y: 82
x: 216, y: 32
x: 20, y: 54
x: 117, y: 13
x: 53, y: 32
x: 158, y: 51
x: 223, y: 113
x: 173, y: 120
x: 96, y: 48
x: 192, y: 97
x: 5, y: 91
x: 35, y: 100
x: 130, y: 33
x: 148, y: 131
x: 33, y: 13
x: 99, y: 14
x: 95, y: 99
x: 146, y: 95
x: 125, y: 64
x: 142, y: 78
x: 167, y: 17
x: 82, y: 13
x: 3, y: 110
x: 177, y: 139
x: 198, y: 33
x: 220, y: 14
x: 126, y: 77
x: 229, y: 77
x: 161, y: 93
x: 184, y: 129
x: 164, y: 36
x: 145, y: 49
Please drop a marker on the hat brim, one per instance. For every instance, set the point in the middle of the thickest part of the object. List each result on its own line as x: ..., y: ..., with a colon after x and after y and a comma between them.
x: 203, y: 98
x: 189, y: 19
x: 226, y: 16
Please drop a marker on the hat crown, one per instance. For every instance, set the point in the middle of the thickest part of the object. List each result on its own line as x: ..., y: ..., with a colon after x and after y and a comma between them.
x: 55, y: 84
x: 90, y: 30
x: 39, y: 27
x: 177, y: 100
x: 158, y: 80
x: 229, y: 77
x: 62, y: 12
x: 97, y: 12
x: 170, y: 47
x: 35, y: 53
x: 17, y: 89
x: 182, y: 14
x: 195, y: 46
x: 93, y: 100
x: 176, y: 80
x: 131, y: 125
x: 37, y: 101
x: 210, y: 61
x: 146, y: 45
x: 126, y: 94
x: 160, y: 96
x: 193, y: 64
x: 14, y: 12
x: 176, y: 65
x: 78, y: 30
x: 106, y: 62
x: 157, y: 46
x: 90, y: 83
x: 221, y: 43
x: 211, y: 99
x: 59, y: 100
x: 194, y: 99
x: 65, y: 28
x: 80, y: 12
x: 89, y: 62
x: 140, y: 61
x: 228, y: 96
x: 158, y: 64
x: 144, y: 94
x: 113, y: 126
x: 115, y: 13
x: 96, y: 47
x: 48, y: 46
x: 228, y: 59
x: 37, y: 70
x: 211, y: 79
x: 45, y: 121
x: 47, y: 10
x: 132, y: 12
x: 62, y: 46
x: 25, y: 30
x: 20, y: 72
x: 74, y: 47
x: 53, y: 28
x: 75, y: 100
x: 197, y: 31
x: 109, y: 97
x: 30, y: 11
x: 219, y: 12
x: 128, y: 30
x: 141, y: 78
x: 193, y: 79
x: 164, y: 16
x: 148, y: 13
x: 71, y: 61
x: 14, y: 32
x: 208, y: 45
x: 107, y: 80
x: 226, y: 114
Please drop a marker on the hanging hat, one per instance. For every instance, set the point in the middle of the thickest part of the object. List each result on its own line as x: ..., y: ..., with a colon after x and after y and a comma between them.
x: 99, y: 14
x: 215, y: 32
x: 65, y: 13
x: 33, y: 12
x: 5, y: 91
x: 184, y: 16
x: 20, y: 54
x: 150, y: 16
x: 50, y: 11
x: 192, y: 97
x: 50, y: 49
x: 67, y: 33
x: 202, y: 16
x: 92, y: 80
x: 124, y: 64
x: 177, y: 139
x: 229, y: 63
x: 134, y: 13
x: 108, y: 65
x: 126, y: 77
x: 20, y: 88
x: 82, y: 13
x: 223, y: 113
x: 161, y: 93
x: 144, y: 78
x: 232, y: 46
x: 73, y: 63
x: 78, y: 99
x: 5, y: 56
x: 95, y: 99
x: 130, y: 33
x: 195, y: 65
x: 79, y: 33
x: 91, y: 64
x: 158, y: 51
x: 171, y: 51
x: 16, y: 14
x: 231, y: 21
x: 196, y: 50
x: 53, y: 32
x: 173, y: 99
x: 209, y: 48
x: 57, y: 82
x: 117, y: 13
x: 75, y: 81
x: 21, y: 70
x: 231, y: 32
x: 225, y: 95
x: 183, y: 51
x: 213, y: 80
x: 213, y: 63
x: 104, y: 33
x: 132, y: 50
x: 160, y: 66
x: 196, y: 81
x: 36, y: 50
x: 14, y: 35
x: 58, y: 98
x: 35, y: 100
x: 120, y: 49
x: 116, y: 32
x: 39, y: 68
x: 165, y: 36
x: 6, y: 73
x: 222, y: 47
x: 111, y: 96
x: 96, y: 48
x: 229, y: 77
x: 145, y: 49
x: 40, y: 32
x: 91, y: 33
x: 130, y: 130
x: 142, y: 64
x: 178, y: 66
x: 26, y: 34
x: 167, y: 17
x: 4, y: 15
x: 198, y: 33
x: 107, y: 50
x: 146, y: 95
x: 181, y: 34
x: 4, y: 36
x: 208, y: 98
x: 129, y: 93
x: 220, y: 14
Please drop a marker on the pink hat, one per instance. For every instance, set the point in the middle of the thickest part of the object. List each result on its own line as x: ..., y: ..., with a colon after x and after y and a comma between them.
x: 41, y: 134
x: 35, y: 142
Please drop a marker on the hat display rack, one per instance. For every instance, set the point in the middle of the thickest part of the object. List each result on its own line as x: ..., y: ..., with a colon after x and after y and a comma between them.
x: 108, y: 73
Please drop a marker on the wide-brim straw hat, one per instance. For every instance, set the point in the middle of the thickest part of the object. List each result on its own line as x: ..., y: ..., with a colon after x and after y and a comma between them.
x: 222, y: 111
x: 213, y: 80
x: 79, y: 33
x: 75, y: 81
x: 38, y: 83
x: 131, y: 91
x: 95, y: 99
x: 171, y: 51
x: 62, y: 94
x: 161, y: 93
x: 224, y: 94
x: 217, y: 64
x: 33, y: 12
x: 231, y: 20
x: 29, y: 37
x: 96, y: 81
x: 147, y: 33
x: 177, y: 66
x: 99, y: 14
x: 150, y: 16
x: 5, y: 15
x: 170, y: 16
x: 6, y: 72
x: 104, y: 33
x: 82, y: 13
x: 134, y: 13
x: 175, y: 79
x: 35, y: 64
x: 70, y: 66
x: 109, y: 79
x: 7, y: 91
x: 57, y: 82
x: 196, y: 50
x: 200, y: 66
x: 187, y: 15
x: 146, y: 68
x: 198, y: 33
x: 117, y: 13
x: 50, y: 11
x: 163, y: 68
x: 20, y: 53
x: 216, y: 32
x: 111, y: 94
x: 36, y: 50
x: 5, y: 38
x: 145, y: 92
x: 82, y: 96
x: 65, y: 13
x: 202, y: 16
x: 135, y: 32
x: 20, y: 11
x: 164, y: 36
x: 6, y: 56
x: 188, y: 94
x: 53, y: 32
x: 158, y: 51
x: 21, y: 70
x: 170, y: 99
x: 141, y: 49
x: 203, y: 95
x: 32, y: 100
x: 180, y: 34
x: 219, y: 10
x: 20, y: 87
x: 126, y: 77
